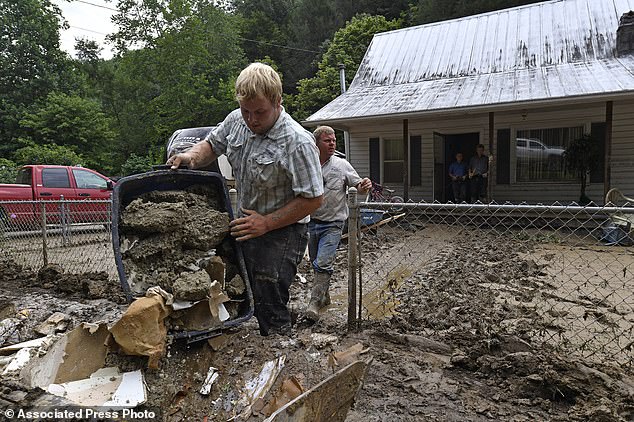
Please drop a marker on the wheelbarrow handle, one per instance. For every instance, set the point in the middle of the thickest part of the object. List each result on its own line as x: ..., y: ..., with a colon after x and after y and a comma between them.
x: 168, y: 167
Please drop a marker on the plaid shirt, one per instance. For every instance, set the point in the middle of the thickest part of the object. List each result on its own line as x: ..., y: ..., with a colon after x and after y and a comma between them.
x: 270, y: 169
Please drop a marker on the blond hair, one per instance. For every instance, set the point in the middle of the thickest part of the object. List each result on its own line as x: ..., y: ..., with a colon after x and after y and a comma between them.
x: 322, y: 130
x: 259, y: 80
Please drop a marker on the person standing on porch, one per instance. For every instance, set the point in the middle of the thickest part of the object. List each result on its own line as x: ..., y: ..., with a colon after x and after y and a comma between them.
x: 458, y: 175
x: 478, y: 173
x: 326, y: 224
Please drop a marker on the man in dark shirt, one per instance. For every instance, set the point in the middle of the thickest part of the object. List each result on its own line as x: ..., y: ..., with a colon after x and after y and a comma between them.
x: 458, y: 175
x: 478, y: 173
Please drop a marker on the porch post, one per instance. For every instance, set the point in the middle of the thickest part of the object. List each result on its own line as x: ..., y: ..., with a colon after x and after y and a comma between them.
x: 492, y: 157
x: 405, y: 160
x: 608, y: 148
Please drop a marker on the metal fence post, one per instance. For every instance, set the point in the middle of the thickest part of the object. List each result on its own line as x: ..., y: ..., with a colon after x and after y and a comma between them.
x: 63, y: 217
x: 353, y: 224
x: 44, y: 246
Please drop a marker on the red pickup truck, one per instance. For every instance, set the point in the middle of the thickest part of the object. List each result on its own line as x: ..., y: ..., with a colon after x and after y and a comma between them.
x: 50, y: 183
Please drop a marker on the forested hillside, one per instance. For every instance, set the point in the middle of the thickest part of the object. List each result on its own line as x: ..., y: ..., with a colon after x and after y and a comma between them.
x: 175, y: 65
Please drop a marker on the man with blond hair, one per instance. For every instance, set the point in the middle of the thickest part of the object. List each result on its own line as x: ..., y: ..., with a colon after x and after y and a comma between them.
x: 326, y: 224
x: 279, y: 183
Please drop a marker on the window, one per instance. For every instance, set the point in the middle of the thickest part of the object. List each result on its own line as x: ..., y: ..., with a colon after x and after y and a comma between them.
x: 539, y: 153
x: 24, y: 176
x: 393, y: 160
x: 88, y: 180
x: 55, y: 178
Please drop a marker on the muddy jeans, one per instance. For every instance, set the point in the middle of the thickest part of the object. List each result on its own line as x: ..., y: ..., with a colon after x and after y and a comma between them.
x: 271, y: 262
x: 324, y: 237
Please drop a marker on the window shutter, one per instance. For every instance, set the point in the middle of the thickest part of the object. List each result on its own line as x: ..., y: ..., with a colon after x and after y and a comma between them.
x: 375, y: 159
x: 597, y: 131
x: 503, y: 162
x: 415, y: 165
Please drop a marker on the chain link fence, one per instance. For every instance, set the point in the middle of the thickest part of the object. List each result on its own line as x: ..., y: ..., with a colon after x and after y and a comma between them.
x: 558, y: 275
x: 73, y: 234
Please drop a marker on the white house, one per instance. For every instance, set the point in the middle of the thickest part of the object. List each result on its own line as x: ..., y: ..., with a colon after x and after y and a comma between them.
x: 523, y: 81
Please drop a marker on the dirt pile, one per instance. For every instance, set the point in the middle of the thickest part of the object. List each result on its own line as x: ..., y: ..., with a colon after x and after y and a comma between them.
x: 52, y: 301
x: 479, y: 295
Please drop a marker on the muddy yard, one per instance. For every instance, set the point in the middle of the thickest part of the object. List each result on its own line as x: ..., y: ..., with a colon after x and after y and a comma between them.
x: 458, y: 327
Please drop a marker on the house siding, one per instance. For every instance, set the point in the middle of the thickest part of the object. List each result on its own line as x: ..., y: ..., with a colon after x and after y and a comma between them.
x: 542, y: 192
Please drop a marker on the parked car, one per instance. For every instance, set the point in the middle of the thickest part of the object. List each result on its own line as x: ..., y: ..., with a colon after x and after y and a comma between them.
x: 536, y: 150
x: 51, y: 183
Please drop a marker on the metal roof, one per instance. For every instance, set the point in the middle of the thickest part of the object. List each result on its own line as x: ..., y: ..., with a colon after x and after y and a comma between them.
x: 540, y: 52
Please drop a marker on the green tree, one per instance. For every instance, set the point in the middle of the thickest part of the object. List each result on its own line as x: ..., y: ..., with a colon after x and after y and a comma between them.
x: 183, y: 78
x: 48, y: 154
x: 137, y: 164
x: 347, y: 47
x: 31, y: 62
x: 73, y: 122
x: 426, y: 11
x: 583, y: 156
x: 8, y: 171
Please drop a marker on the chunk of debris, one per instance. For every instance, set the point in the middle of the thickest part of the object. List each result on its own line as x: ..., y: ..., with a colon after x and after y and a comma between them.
x: 216, y: 269
x: 328, y: 401
x: 346, y: 356
x: 156, y: 290
x: 9, y: 330
x: 258, y: 387
x: 104, y: 387
x: 37, y: 342
x: 235, y: 287
x: 192, y: 286
x: 150, y: 217
x: 19, y: 361
x: 141, y: 330
x: 320, y: 340
x: 202, y: 315
x: 290, y: 389
x: 218, y: 343
x: 217, y: 298
x: 55, y: 323
x: 71, y: 357
x: 212, y: 376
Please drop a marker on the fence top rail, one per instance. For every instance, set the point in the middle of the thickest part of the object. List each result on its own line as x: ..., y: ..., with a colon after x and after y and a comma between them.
x: 56, y: 201
x: 493, y: 207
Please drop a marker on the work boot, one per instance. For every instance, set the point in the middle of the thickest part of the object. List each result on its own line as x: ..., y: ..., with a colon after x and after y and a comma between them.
x: 319, y: 296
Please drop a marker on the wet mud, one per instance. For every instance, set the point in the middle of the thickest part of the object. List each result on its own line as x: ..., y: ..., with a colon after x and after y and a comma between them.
x: 454, y: 347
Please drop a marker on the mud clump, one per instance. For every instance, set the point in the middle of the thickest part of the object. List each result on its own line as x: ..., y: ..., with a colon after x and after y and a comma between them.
x: 236, y: 286
x: 168, y: 235
x: 91, y: 285
x: 192, y: 286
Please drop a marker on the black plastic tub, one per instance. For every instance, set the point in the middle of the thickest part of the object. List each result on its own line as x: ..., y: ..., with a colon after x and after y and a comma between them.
x: 131, y: 187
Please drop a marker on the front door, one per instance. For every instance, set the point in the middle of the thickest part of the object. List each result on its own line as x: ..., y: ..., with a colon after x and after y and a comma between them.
x: 446, y: 146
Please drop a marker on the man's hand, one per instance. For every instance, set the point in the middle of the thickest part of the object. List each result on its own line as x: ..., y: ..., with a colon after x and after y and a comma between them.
x: 250, y: 226
x: 364, y: 185
x: 197, y: 156
x: 182, y: 159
